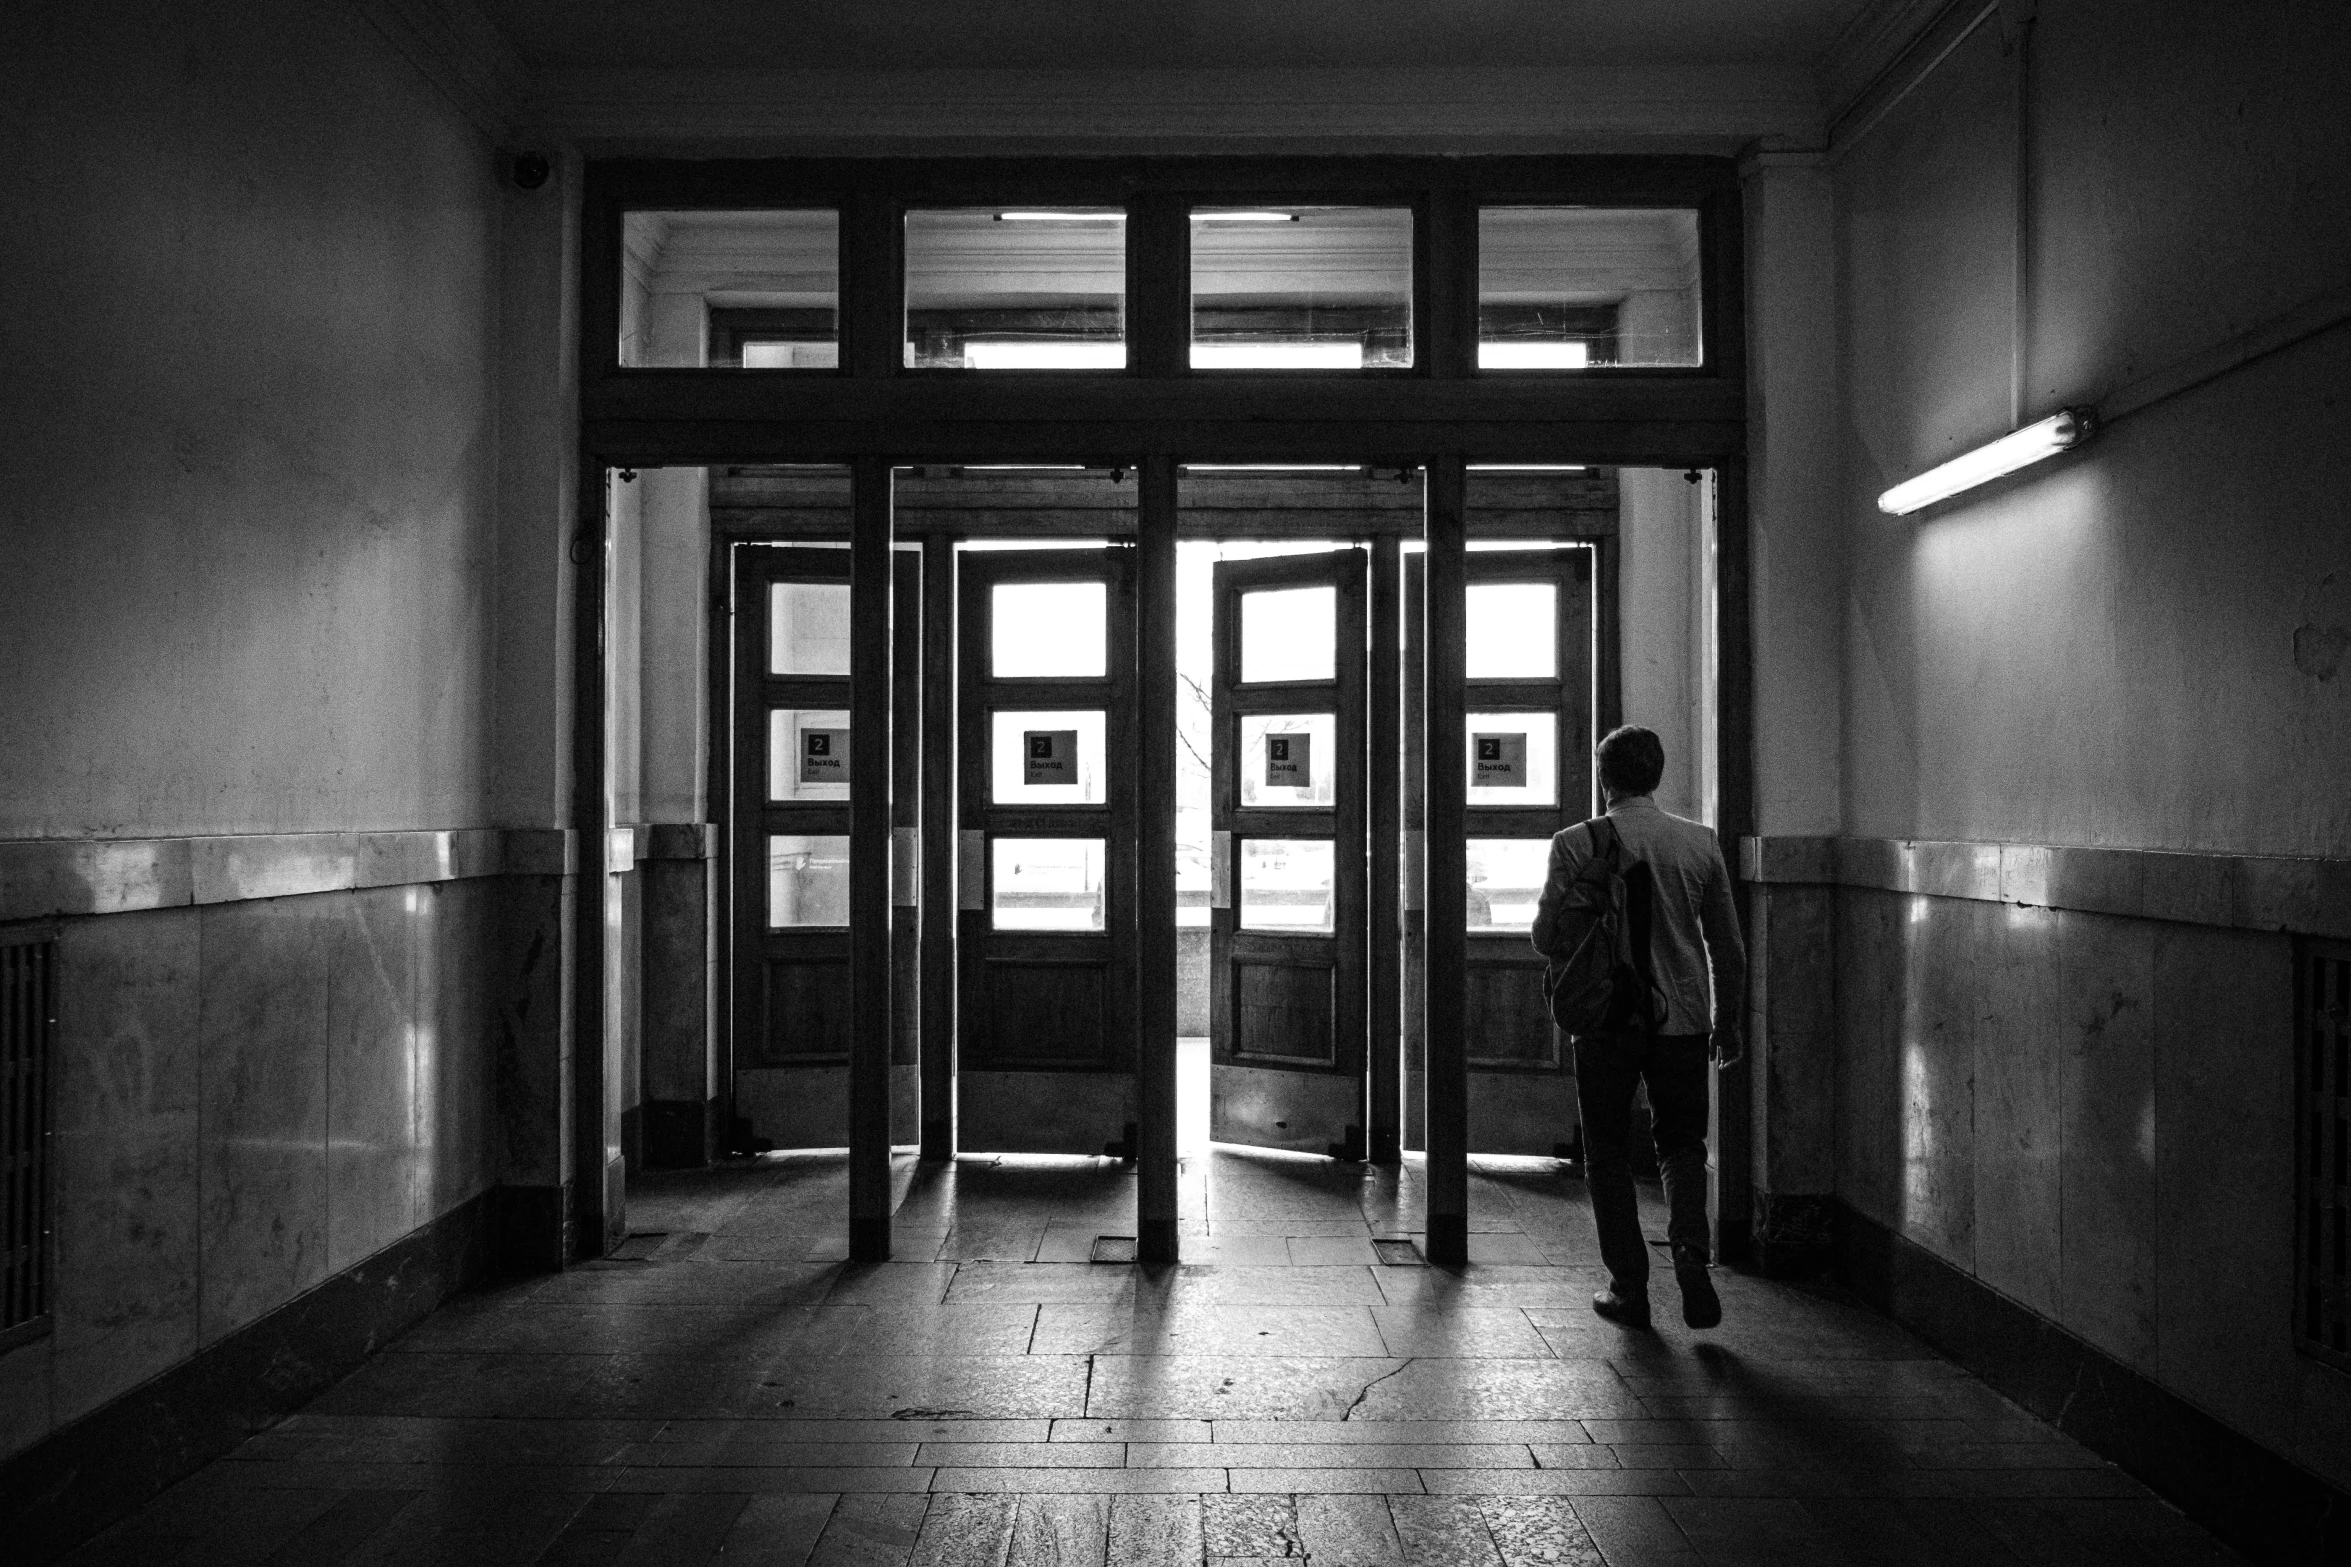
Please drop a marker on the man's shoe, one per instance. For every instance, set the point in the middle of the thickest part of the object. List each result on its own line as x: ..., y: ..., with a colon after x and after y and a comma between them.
x: 1626, y: 1311
x: 1701, y: 1307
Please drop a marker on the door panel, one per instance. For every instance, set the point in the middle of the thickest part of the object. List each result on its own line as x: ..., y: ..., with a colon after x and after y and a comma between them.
x: 790, y: 853
x: 1530, y: 747
x: 1529, y: 699
x: 1045, y: 711
x: 1287, y: 917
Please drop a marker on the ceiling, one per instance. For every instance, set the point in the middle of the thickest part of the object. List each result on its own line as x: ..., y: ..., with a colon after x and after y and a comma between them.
x: 1126, y: 35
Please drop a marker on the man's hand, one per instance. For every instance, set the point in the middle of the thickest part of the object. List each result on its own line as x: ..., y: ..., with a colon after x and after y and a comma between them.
x: 1727, y: 1046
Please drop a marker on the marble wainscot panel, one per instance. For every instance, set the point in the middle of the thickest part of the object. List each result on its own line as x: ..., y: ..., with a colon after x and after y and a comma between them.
x: 263, y: 1126
x: 126, y: 1172
x: 2106, y: 1030
x: 1869, y: 1052
x: 1936, y: 1102
x: 2017, y: 1101
x: 378, y: 1122
x: 2224, y: 1175
x: 459, y: 986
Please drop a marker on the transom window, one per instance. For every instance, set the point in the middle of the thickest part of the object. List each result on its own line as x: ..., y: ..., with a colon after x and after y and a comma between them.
x: 984, y: 274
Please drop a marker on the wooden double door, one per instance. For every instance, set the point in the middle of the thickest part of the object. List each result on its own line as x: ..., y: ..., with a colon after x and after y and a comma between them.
x: 1046, y: 801
x: 1045, y: 808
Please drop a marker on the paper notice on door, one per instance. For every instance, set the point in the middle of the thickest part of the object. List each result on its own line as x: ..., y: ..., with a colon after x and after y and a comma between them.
x: 824, y: 756
x: 1049, y: 756
x: 1498, y: 761
x: 1289, y: 761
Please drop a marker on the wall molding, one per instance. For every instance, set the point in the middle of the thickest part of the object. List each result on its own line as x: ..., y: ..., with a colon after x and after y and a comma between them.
x: 2251, y: 1496
x: 2307, y: 320
x: 45, y: 877
x: 1884, y: 54
x: 461, y: 52
x: 1871, y: 45
x: 2305, y: 896
x: 1710, y: 107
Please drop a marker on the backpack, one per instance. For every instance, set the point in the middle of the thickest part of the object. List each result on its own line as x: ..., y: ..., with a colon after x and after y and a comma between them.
x: 1601, y: 984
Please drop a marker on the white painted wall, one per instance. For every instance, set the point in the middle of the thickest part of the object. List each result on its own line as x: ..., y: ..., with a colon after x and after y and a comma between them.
x: 1795, y: 546
x: 673, y: 590
x: 2105, y: 651
x: 1666, y: 534
x: 250, y: 482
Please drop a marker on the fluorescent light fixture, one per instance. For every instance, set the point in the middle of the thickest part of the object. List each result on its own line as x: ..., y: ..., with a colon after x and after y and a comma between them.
x: 1277, y: 356
x: 1061, y: 217
x: 1244, y: 217
x: 1023, y: 467
x: 2061, y: 431
x: 1526, y: 467
x: 1044, y: 356
x: 1273, y: 467
x: 1534, y: 356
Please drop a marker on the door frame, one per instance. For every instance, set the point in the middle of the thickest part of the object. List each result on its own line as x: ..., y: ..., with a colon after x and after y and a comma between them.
x: 1441, y: 412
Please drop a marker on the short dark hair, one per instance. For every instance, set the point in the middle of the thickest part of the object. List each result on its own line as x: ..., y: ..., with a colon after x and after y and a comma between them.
x: 1632, y: 759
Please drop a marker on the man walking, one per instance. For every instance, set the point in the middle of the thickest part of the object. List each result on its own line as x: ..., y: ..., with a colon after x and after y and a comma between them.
x: 1698, y: 975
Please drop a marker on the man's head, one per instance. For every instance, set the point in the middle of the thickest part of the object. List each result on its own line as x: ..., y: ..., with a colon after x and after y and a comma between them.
x: 1632, y: 759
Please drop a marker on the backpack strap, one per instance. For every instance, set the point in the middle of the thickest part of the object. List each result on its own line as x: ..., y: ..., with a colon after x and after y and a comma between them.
x: 1603, y: 835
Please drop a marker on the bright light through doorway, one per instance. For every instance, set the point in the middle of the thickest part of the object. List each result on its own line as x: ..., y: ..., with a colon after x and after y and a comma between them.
x: 1534, y: 356
x: 1195, y: 560
x: 1044, y: 356
x: 1277, y: 356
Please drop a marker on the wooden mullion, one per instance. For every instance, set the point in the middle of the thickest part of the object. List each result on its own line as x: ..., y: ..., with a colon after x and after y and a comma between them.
x: 872, y: 570
x: 937, y: 839
x: 1443, y: 993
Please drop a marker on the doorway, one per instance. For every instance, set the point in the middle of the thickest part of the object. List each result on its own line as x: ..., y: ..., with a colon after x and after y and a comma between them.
x: 1277, y: 632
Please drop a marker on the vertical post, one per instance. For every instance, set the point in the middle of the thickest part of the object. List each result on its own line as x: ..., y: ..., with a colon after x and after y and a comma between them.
x: 1448, y: 331
x: 1159, y: 285
x: 938, y: 847
x: 873, y: 298
x: 591, y: 1221
x: 1733, y: 1138
x: 1383, y: 1129
x: 870, y: 595
x: 1159, y: 335
x: 1155, y: 1013
x: 1444, y: 652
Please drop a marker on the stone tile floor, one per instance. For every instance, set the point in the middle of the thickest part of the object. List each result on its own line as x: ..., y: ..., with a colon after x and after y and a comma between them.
x: 729, y: 1390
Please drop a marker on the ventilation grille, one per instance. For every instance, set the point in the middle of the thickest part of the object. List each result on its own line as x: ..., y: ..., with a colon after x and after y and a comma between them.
x: 2322, y: 1233
x: 28, y: 1027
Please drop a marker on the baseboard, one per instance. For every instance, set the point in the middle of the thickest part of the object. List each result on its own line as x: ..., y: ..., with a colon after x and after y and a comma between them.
x: 680, y: 1134
x: 2259, y: 1502
x: 1792, y: 1235
x: 632, y: 1137
x: 95, y: 1471
x: 530, y: 1228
